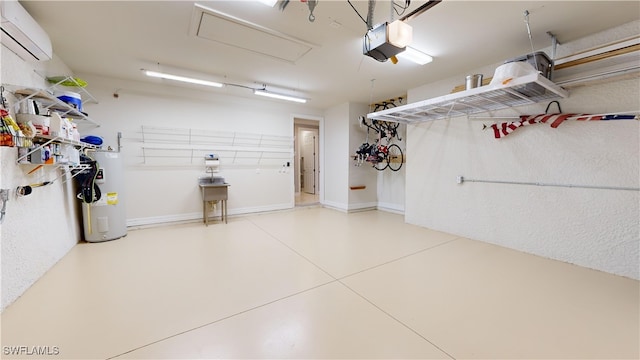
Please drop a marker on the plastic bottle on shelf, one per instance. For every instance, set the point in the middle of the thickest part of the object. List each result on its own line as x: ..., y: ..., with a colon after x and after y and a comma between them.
x: 75, y: 134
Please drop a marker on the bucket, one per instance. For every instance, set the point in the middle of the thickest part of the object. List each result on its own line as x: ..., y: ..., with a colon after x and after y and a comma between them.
x: 473, y: 81
x: 71, y: 98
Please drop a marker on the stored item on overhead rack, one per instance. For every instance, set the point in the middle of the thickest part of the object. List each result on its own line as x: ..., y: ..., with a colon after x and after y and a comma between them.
x: 539, y: 60
x: 506, y: 72
x: 473, y: 81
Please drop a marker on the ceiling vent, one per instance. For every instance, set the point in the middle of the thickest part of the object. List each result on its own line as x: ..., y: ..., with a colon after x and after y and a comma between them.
x: 22, y: 34
x: 229, y: 30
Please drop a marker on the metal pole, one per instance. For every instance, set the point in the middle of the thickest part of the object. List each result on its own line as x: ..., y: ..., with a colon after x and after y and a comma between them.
x: 461, y: 179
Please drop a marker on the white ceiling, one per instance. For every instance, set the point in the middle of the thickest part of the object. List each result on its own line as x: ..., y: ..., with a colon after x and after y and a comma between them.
x: 118, y: 38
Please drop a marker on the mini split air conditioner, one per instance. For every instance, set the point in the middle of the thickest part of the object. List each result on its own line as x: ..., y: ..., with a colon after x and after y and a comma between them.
x: 22, y: 34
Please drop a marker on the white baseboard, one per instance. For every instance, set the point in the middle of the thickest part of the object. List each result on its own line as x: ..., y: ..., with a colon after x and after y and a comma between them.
x: 197, y: 216
x: 157, y: 220
x: 336, y: 206
x: 191, y: 217
x: 392, y: 208
x: 258, y: 209
x: 350, y: 207
x: 363, y: 207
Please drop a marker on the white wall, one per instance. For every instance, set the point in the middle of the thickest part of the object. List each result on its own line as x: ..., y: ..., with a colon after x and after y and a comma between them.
x: 164, y: 189
x: 364, y: 175
x: 343, y: 136
x: 336, y: 157
x: 588, y: 227
x: 38, y: 229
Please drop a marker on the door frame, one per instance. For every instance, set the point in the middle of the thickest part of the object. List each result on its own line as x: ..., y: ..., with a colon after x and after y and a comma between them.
x: 300, y: 120
x: 315, y: 158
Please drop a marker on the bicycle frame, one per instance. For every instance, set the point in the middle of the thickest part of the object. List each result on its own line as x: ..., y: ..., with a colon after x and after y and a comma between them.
x: 378, y: 153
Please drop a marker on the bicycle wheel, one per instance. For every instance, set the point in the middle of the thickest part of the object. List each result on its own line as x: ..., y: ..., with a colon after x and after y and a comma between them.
x: 380, y: 165
x: 395, y: 158
x: 381, y: 162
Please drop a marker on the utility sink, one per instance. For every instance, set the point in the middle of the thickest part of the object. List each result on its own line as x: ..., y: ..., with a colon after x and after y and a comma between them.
x: 213, y: 189
x: 216, y: 180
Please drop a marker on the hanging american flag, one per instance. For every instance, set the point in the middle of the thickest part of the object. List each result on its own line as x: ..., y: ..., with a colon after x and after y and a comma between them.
x: 503, y: 129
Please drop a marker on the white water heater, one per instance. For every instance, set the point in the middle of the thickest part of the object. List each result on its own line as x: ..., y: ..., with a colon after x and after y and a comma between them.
x: 105, y: 219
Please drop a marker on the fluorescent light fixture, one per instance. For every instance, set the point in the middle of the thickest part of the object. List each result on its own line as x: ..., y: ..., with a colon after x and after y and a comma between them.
x: 268, y: 2
x: 279, y: 96
x: 416, y: 56
x: 182, y: 78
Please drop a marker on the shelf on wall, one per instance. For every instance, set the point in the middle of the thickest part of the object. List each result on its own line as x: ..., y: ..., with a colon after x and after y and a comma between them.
x: 185, y: 146
x: 524, y: 90
x: 49, y: 101
x: 62, y: 140
x: 228, y: 156
x: 71, y: 82
x: 44, y: 140
x: 52, y: 103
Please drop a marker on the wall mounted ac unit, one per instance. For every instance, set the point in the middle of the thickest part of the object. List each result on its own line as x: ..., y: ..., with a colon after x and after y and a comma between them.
x: 22, y: 34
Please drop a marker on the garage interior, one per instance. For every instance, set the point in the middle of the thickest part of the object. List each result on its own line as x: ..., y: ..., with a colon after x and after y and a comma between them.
x: 220, y: 179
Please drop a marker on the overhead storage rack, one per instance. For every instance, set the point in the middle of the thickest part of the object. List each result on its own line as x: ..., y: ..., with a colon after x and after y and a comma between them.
x: 524, y: 90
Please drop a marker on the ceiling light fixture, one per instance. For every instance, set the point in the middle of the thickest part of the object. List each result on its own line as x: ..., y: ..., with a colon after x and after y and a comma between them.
x: 415, y: 55
x: 399, y: 33
x: 270, y: 3
x: 182, y: 78
x: 279, y: 96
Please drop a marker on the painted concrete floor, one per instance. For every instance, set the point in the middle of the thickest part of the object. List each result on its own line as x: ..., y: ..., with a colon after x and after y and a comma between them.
x: 304, y: 199
x: 322, y: 284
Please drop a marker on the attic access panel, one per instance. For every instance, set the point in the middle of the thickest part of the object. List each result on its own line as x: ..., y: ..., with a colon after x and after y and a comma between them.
x: 232, y: 31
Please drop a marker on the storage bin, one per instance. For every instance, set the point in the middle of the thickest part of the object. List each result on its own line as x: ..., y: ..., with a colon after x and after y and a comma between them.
x: 539, y: 60
x: 40, y: 122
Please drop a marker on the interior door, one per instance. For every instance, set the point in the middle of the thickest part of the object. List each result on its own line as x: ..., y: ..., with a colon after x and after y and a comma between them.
x: 308, y: 160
